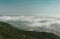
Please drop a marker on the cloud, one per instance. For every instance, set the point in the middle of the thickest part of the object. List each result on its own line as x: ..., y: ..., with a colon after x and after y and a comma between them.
x: 34, y: 23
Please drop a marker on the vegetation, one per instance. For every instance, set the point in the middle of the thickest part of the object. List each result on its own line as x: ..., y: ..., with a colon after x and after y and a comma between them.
x: 7, y: 31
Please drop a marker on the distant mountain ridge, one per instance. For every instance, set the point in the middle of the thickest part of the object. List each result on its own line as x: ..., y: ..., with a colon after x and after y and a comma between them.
x: 7, y: 31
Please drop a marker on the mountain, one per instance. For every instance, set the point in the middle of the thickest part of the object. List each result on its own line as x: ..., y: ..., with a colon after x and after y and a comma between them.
x: 7, y: 31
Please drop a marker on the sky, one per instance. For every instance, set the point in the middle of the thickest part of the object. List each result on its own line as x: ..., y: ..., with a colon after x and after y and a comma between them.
x: 30, y: 7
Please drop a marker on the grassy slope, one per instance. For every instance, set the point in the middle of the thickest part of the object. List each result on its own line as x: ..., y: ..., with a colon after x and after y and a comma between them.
x: 7, y: 31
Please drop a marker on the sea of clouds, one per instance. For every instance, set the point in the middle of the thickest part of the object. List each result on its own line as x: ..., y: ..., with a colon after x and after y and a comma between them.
x: 34, y: 23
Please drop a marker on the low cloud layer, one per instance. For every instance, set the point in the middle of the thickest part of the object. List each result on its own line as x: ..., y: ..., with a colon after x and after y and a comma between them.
x: 34, y: 23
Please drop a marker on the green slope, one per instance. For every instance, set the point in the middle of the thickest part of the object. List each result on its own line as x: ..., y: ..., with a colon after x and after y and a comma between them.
x: 7, y: 31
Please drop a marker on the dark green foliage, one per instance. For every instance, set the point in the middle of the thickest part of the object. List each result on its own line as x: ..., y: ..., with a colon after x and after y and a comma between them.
x: 41, y: 35
x: 7, y: 31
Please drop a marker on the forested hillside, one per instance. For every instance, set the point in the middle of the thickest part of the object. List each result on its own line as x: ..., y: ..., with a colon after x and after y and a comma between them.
x: 7, y: 31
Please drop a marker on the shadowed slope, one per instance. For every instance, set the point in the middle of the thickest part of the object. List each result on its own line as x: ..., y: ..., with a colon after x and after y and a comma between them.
x: 7, y: 31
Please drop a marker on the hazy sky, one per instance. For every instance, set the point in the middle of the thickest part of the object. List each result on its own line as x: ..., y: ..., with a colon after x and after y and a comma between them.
x: 30, y: 7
